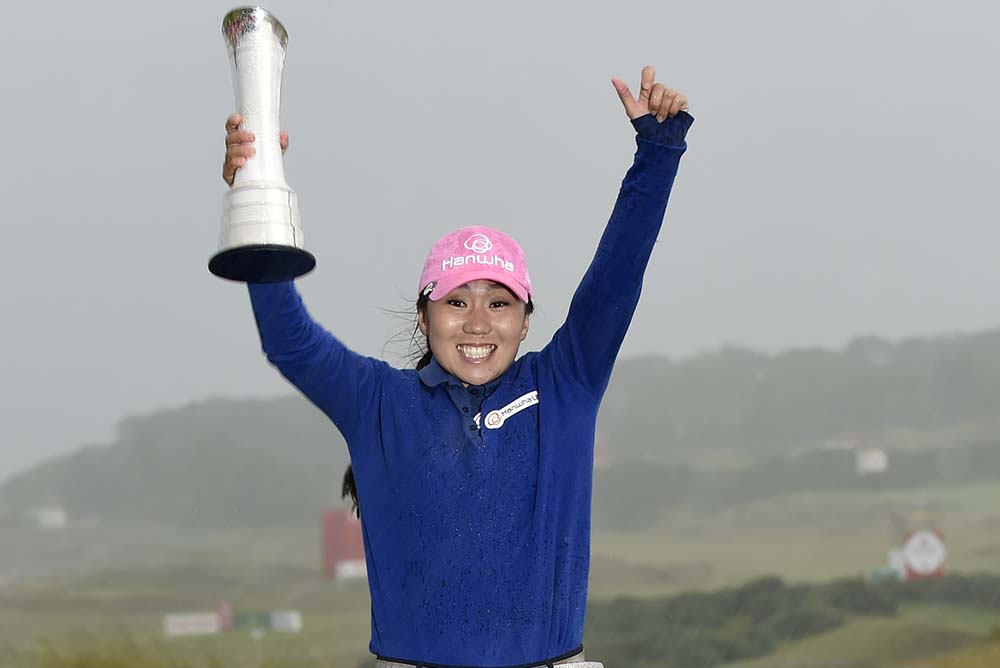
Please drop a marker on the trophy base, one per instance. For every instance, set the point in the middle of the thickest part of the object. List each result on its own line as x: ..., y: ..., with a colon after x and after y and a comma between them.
x: 262, y: 263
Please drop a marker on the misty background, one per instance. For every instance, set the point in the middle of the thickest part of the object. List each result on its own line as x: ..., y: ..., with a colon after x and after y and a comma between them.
x: 839, y: 181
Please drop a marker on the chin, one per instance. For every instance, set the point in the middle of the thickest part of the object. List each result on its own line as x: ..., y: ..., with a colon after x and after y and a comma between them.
x: 479, y: 378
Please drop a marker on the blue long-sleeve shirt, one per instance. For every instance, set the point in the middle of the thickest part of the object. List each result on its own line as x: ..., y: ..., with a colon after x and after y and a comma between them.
x: 478, y: 549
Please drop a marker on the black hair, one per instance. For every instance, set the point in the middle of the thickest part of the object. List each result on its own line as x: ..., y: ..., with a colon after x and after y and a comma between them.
x: 421, y: 351
x: 348, y: 488
x: 425, y: 346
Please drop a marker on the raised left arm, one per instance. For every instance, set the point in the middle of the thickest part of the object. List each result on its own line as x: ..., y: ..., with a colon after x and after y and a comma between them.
x: 586, y: 346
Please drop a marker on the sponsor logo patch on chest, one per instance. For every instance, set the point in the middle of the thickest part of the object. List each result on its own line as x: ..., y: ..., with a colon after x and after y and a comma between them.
x: 495, y: 419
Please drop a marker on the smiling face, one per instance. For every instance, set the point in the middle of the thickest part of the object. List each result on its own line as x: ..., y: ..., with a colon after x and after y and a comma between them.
x: 475, y: 330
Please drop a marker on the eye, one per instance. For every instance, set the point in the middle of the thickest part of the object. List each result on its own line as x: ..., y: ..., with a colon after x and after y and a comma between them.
x: 499, y: 303
x: 456, y: 302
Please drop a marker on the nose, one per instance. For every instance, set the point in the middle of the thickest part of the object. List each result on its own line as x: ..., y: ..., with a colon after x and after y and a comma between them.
x: 478, y: 321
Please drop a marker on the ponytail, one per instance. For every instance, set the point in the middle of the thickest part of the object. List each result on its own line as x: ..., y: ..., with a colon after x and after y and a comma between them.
x: 349, y: 489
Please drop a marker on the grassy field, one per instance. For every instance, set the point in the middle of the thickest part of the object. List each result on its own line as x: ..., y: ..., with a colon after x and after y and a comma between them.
x: 983, y: 654
x: 111, y: 608
x: 801, y: 537
x: 115, y: 619
x: 867, y: 643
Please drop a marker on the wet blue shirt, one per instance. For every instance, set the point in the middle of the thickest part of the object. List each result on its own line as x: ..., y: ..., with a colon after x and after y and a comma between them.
x: 477, y: 539
x: 468, y: 399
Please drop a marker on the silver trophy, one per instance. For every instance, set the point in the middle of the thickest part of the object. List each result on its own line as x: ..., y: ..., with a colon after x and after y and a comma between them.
x: 261, y: 235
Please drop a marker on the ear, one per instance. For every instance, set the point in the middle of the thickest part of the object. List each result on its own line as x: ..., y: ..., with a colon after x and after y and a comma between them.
x: 422, y: 321
x: 524, y: 327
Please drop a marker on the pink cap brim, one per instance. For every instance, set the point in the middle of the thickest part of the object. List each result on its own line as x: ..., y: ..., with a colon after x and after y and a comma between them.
x: 449, y: 283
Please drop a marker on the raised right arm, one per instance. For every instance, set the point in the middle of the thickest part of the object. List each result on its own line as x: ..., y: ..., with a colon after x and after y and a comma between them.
x: 341, y: 383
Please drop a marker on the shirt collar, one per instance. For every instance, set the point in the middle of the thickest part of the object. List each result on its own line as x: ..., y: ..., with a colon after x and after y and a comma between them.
x: 433, y: 375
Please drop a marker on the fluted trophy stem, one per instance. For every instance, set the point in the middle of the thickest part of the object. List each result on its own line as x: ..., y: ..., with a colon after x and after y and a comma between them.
x: 261, y: 233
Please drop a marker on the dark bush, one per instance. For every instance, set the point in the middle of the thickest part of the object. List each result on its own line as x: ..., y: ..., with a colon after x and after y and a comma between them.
x: 859, y: 597
x: 800, y: 623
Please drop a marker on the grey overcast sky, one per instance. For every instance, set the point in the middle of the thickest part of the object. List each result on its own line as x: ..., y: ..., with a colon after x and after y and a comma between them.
x: 839, y: 180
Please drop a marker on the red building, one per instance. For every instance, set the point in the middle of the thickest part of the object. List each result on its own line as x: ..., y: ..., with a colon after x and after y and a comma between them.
x: 343, y: 546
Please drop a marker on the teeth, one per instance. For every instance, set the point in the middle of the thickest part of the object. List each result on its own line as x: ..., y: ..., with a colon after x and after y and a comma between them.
x: 476, y: 352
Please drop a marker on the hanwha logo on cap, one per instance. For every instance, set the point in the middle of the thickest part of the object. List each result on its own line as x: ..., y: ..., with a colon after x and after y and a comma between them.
x: 479, y: 243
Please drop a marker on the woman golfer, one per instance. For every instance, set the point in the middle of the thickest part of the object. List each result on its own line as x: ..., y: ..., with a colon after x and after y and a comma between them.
x: 474, y: 471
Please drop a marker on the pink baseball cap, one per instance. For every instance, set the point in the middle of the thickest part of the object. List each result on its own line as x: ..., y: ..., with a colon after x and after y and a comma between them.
x: 475, y: 253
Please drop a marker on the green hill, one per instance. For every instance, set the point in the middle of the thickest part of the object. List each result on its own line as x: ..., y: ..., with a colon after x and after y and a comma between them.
x: 719, y: 428
x: 738, y: 399
x: 215, y: 463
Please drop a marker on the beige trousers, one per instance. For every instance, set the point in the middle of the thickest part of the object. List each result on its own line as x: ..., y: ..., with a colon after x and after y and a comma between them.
x: 575, y: 661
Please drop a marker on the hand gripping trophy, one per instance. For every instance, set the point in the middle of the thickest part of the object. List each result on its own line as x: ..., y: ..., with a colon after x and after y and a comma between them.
x: 261, y: 235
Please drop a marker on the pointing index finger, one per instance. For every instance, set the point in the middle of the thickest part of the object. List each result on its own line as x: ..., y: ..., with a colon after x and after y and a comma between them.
x: 625, y: 95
